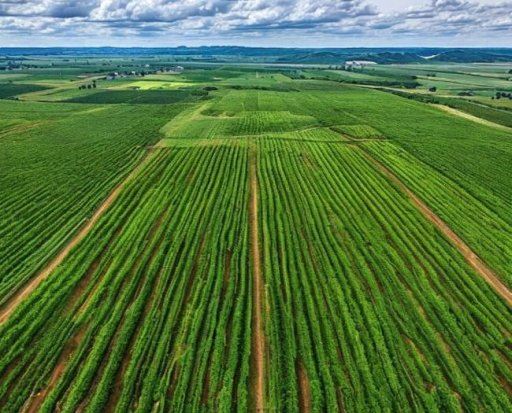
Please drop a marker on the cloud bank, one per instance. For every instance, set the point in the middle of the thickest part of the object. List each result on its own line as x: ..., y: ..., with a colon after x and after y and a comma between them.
x: 172, y: 22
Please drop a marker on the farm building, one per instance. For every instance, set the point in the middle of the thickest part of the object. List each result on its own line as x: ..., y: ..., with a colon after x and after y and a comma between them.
x: 358, y: 64
x: 176, y: 69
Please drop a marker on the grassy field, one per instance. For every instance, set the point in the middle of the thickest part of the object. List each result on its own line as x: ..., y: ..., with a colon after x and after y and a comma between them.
x: 253, y: 239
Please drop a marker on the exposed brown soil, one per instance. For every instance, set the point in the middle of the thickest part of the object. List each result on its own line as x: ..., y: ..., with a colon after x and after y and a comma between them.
x: 415, y: 349
x: 258, y: 340
x: 37, y: 400
x: 26, y: 290
x: 505, y: 384
x: 206, y: 387
x: 478, y: 265
x: 304, y: 389
x: 84, y: 282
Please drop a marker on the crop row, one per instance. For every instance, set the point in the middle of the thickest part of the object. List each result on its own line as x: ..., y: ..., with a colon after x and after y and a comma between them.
x: 152, y: 309
x: 486, y: 232
x: 366, y: 299
x: 55, y: 174
x: 473, y: 156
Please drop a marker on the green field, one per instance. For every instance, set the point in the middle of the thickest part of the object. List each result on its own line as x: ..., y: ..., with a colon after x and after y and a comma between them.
x: 236, y: 239
x: 10, y: 90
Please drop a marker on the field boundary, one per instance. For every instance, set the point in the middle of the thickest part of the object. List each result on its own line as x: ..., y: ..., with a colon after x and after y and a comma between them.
x: 469, y: 255
x: 258, y: 334
x: 10, y: 306
x: 473, y: 118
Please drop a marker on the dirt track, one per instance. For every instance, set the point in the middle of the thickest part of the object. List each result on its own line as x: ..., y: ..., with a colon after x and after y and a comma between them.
x: 305, y: 390
x: 35, y: 402
x: 26, y: 290
x: 258, y: 339
x: 476, y: 119
x: 478, y: 265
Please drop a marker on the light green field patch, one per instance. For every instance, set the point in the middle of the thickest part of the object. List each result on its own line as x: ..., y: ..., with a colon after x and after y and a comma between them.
x: 154, y: 85
x: 183, y: 119
x: 12, y: 76
x: 487, y: 100
x: 167, y: 77
x: 345, y: 75
x: 311, y: 134
x: 57, y: 95
x: 8, y: 123
x: 194, y: 124
x: 92, y: 110
x: 188, y: 143
x: 359, y: 131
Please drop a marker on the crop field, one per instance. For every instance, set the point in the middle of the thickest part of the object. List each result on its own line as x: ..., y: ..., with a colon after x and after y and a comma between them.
x: 139, y: 97
x: 336, y: 261
x: 9, y: 90
x: 51, y: 188
x: 233, y: 239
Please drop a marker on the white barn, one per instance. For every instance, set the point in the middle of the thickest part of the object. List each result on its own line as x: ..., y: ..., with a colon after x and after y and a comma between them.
x: 358, y: 64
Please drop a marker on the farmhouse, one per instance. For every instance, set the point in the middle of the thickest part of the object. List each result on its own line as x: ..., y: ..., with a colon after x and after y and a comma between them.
x: 176, y: 69
x: 358, y: 64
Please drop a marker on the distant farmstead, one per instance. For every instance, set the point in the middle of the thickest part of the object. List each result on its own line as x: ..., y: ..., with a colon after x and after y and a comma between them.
x: 358, y: 64
x: 176, y: 69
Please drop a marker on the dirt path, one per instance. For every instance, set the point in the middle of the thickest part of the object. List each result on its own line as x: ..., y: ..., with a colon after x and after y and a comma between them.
x: 36, y: 401
x: 473, y: 118
x: 258, y: 338
x: 304, y: 389
x: 478, y: 265
x: 25, y: 291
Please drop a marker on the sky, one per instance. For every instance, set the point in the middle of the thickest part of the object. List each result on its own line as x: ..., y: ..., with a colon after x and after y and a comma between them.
x: 280, y: 23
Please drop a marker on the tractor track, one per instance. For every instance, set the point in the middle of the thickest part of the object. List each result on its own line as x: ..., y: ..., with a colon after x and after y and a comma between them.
x: 258, y: 334
x: 469, y: 255
x: 12, y: 304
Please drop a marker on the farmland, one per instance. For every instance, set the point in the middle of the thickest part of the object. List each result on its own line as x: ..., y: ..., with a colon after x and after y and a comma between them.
x: 253, y: 239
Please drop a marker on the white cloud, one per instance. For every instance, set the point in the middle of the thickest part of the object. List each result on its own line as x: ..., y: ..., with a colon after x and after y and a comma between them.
x: 239, y: 20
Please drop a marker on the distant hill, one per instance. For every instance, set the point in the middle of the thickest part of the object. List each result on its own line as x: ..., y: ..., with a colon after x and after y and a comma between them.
x: 338, y: 57
x: 474, y: 56
x: 329, y: 56
x: 393, y: 57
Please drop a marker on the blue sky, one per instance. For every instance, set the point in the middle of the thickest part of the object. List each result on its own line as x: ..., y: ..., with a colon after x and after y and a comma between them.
x: 294, y: 23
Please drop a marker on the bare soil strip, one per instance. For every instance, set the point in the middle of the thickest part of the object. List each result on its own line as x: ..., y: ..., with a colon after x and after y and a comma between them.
x: 25, y: 291
x: 258, y: 335
x: 304, y: 389
x: 473, y: 118
x: 35, y: 402
x: 472, y: 259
